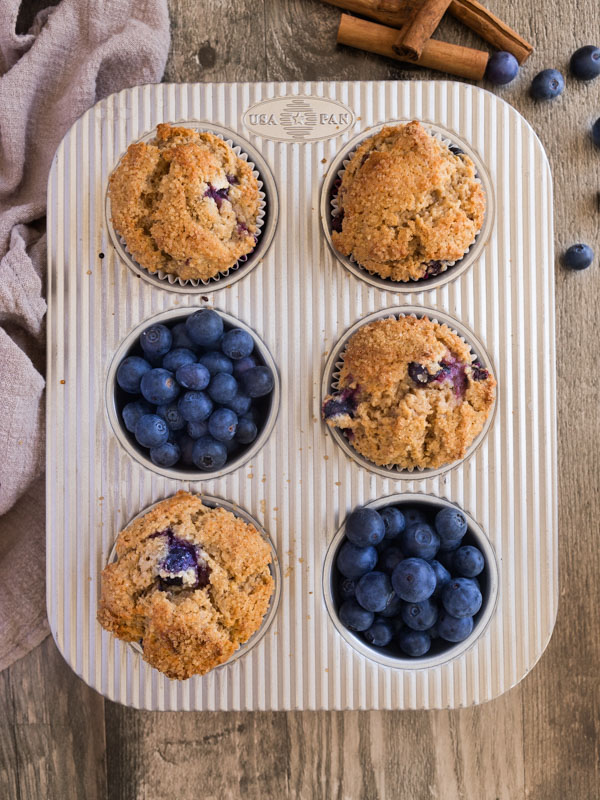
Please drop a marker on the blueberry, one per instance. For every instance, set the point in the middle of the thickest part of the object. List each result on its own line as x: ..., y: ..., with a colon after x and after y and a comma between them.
x: 240, y: 403
x: 393, y: 521
x: 237, y: 344
x: 578, y: 256
x: 585, y: 62
x: 204, y: 327
x: 374, y: 591
x: 354, y: 562
x: 243, y: 365
x: 420, y: 616
x: 461, y: 597
x: 151, y: 430
x: 393, y: 607
x: 133, y: 411
x: 193, y: 376
x: 130, y: 373
x: 159, y: 387
x: 501, y: 68
x: 208, y: 454
x: 413, y: 580
x: 186, y: 446
x: 156, y: 340
x: 215, y: 362
x: 468, y: 561
x: 177, y: 358
x: 364, y: 526
x: 172, y: 416
x: 180, y: 557
x: 596, y: 132
x: 165, y: 455
x: 222, y: 424
x: 547, y: 85
x: 354, y: 617
x: 451, y: 526
x: 421, y: 541
x: 453, y: 629
x: 379, y: 634
x: 195, y: 406
x: 389, y: 559
x: 413, y: 643
x: 442, y: 576
x: 246, y: 431
x: 413, y: 515
x: 258, y: 381
x: 419, y: 374
x: 197, y: 429
x: 180, y: 336
x: 222, y: 387
x: 347, y: 589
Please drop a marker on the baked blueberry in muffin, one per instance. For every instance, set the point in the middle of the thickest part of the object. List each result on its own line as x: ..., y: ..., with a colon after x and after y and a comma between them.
x: 410, y: 394
x: 191, y: 583
x: 407, y: 205
x: 185, y: 203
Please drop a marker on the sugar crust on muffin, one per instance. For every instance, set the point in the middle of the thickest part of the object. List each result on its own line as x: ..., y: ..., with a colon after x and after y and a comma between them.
x: 185, y: 203
x: 410, y: 394
x: 191, y: 583
x: 407, y: 204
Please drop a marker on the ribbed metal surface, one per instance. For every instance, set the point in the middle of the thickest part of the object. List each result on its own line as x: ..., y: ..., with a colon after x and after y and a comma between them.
x: 301, y: 485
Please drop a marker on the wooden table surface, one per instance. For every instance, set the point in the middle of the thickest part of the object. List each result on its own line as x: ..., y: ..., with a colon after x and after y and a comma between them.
x: 59, y: 739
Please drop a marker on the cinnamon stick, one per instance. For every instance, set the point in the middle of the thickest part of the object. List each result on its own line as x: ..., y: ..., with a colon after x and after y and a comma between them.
x: 469, y: 12
x: 491, y: 28
x: 462, y: 61
x: 390, y: 12
x: 418, y: 30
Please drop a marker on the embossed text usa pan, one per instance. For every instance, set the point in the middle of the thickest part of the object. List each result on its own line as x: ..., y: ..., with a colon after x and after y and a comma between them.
x: 301, y: 299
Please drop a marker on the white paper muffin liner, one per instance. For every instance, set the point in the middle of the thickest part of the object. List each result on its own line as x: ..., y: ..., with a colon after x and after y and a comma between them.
x: 427, y: 282
x: 274, y: 567
x: 174, y: 281
x: 331, y: 378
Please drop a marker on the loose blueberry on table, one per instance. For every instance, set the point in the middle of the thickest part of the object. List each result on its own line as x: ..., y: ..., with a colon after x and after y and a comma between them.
x: 193, y: 394
x: 547, y: 84
x: 391, y: 586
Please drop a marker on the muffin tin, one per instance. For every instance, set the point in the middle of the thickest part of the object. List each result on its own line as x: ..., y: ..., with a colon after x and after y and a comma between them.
x: 300, y: 485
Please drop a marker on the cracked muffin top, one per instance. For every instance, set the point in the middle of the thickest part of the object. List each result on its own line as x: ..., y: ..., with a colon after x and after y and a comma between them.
x: 407, y: 204
x: 191, y: 584
x: 185, y: 203
x: 410, y: 394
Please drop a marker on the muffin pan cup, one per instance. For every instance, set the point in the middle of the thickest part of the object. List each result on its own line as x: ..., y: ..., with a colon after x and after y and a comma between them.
x: 453, y: 651
x: 335, y: 363
x: 301, y: 485
x: 275, y: 569
x: 454, y: 269
x: 267, y: 219
x: 126, y: 439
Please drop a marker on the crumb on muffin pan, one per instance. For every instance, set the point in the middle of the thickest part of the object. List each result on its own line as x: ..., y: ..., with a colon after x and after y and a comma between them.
x: 190, y: 584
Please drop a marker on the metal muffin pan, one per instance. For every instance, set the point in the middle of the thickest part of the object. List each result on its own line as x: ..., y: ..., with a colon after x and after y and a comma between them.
x: 301, y: 485
x: 244, y: 265
x: 275, y: 569
x: 180, y: 473
x: 457, y: 268
x: 475, y: 535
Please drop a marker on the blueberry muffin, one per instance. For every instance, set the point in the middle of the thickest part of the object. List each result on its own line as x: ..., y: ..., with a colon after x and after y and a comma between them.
x: 410, y: 394
x: 185, y: 203
x: 407, y: 204
x: 191, y: 584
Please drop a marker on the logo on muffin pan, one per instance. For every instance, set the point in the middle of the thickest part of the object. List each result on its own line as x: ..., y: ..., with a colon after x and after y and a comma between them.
x: 298, y: 119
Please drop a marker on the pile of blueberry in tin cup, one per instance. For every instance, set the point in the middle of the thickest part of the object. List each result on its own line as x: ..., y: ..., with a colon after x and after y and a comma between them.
x: 407, y: 580
x: 194, y: 394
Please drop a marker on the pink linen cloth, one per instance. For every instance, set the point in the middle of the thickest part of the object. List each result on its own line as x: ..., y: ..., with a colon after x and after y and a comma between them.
x: 75, y: 53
